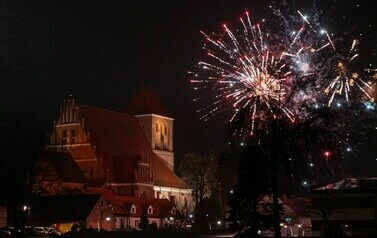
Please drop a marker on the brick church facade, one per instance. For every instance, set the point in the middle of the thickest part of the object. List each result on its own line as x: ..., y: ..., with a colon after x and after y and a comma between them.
x: 128, y: 158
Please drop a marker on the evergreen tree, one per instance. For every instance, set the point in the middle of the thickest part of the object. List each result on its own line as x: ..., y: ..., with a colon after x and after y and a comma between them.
x: 144, y: 221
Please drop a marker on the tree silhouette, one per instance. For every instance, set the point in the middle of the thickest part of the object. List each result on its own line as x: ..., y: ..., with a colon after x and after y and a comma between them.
x: 144, y: 221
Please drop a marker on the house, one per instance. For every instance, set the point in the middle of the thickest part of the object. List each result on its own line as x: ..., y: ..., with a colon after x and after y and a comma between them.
x: 127, y: 211
x: 65, y: 211
x: 350, y: 205
x: 129, y: 154
x: 296, y: 215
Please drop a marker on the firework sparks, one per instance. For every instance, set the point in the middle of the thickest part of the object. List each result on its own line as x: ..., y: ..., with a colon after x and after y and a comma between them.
x: 346, y: 78
x: 274, y: 74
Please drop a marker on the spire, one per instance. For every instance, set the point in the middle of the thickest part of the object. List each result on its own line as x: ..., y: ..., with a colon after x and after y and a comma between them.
x: 145, y: 101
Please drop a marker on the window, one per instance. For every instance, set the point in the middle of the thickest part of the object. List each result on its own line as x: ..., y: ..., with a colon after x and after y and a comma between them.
x: 73, y: 136
x: 150, y: 210
x: 166, y: 130
x: 133, y: 209
x: 156, y: 127
x: 64, y: 137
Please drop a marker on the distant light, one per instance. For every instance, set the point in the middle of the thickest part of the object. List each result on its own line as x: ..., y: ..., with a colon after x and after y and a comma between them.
x: 231, y: 191
x: 25, y: 208
x: 299, y: 225
x: 322, y: 31
x: 305, y: 183
x: 338, y: 104
x: 311, y: 165
x: 218, y: 222
x: 242, y: 144
x: 107, y: 218
x: 171, y: 218
x: 191, y: 216
x: 327, y: 153
x: 259, y: 232
x: 349, y: 149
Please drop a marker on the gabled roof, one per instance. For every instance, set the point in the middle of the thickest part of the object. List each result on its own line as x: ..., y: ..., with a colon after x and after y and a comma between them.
x: 123, y: 204
x: 119, y: 140
x: 164, y: 176
x: 146, y: 102
x: 65, y: 208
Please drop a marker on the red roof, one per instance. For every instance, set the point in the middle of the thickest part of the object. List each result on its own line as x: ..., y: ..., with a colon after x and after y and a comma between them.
x: 146, y: 102
x: 122, y: 204
x: 120, y: 141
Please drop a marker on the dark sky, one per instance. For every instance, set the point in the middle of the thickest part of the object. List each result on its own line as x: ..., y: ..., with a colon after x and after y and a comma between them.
x: 102, y: 52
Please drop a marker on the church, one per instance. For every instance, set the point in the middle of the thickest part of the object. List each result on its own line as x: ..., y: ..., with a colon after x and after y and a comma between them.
x: 128, y: 158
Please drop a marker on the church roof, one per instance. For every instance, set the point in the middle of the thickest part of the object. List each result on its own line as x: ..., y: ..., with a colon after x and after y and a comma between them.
x: 146, y: 102
x: 119, y: 140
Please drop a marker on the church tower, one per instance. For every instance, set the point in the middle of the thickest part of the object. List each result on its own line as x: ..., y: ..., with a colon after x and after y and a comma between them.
x: 156, y: 123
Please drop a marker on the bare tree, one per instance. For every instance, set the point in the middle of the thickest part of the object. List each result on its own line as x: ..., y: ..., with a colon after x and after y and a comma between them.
x: 45, y: 180
x: 201, y: 173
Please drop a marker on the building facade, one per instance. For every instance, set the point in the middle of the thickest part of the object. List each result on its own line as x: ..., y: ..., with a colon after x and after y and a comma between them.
x: 131, y: 155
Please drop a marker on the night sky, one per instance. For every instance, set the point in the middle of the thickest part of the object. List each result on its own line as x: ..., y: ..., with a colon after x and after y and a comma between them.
x: 102, y: 52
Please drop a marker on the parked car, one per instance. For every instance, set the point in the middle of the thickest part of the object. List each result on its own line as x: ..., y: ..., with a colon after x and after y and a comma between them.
x: 6, y: 231
x: 39, y: 231
x: 52, y: 232
x: 5, y: 234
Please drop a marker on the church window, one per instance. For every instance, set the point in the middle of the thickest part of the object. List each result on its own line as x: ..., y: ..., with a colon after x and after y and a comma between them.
x: 156, y: 127
x: 166, y: 129
x: 73, y: 136
x: 133, y: 209
x: 64, y: 137
x: 150, y: 210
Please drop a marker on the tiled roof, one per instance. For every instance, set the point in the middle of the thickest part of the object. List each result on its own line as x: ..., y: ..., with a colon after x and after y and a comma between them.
x: 119, y: 140
x: 65, y: 208
x: 352, y: 183
x: 123, y: 204
x: 146, y: 102
x: 164, y: 176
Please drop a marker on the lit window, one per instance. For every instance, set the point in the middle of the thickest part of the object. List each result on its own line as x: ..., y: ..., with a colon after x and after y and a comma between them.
x: 150, y: 210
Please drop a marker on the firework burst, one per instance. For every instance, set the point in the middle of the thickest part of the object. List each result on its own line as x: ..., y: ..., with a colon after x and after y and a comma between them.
x: 347, y: 77
x: 276, y: 73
